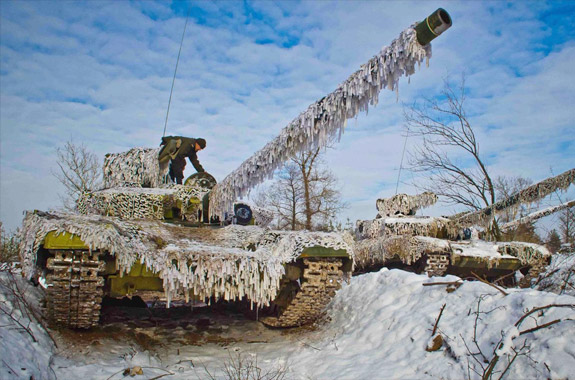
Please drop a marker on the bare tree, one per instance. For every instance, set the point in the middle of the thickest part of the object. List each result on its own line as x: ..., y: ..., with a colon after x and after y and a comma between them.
x: 322, y: 199
x: 507, y: 186
x: 305, y: 195
x: 567, y: 226
x: 285, y: 198
x: 445, y: 127
x: 79, y: 172
x: 9, y: 244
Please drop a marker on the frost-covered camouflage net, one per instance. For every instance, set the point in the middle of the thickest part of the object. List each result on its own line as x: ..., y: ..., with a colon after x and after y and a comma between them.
x: 263, y: 217
x: 491, y: 253
x: 529, y: 195
x: 405, y: 204
x: 324, y: 119
x: 406, y: 238
x: 408, y: 226
x: 527, y: 253
x: 143, y: 203
x: 139, y: 166
x: 408, y: 249
x: 229, y: 263
x: 537, y: 215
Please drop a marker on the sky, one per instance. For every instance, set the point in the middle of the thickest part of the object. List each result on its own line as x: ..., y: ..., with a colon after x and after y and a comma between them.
x: 99, y: 73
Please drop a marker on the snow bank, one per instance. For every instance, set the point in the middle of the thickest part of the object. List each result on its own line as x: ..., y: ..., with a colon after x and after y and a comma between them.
x: 23, y: 355
x: 381, y: 323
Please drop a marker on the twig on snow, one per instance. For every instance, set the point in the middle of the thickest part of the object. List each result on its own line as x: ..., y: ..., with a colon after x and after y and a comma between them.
x: 493, y: 362
x: 457, y: 283
x: 489, y: 283
x: 539, y: 309
x: 541, y: 327
x: 508, y: 275
x: 168, y: 373
x: 437, y: 320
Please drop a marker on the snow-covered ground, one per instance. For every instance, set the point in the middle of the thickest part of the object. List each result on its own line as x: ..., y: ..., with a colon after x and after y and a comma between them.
x: 378, y: 327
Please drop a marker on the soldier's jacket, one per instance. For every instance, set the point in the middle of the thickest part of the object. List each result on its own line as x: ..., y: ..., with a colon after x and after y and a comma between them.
x: 177, y: 148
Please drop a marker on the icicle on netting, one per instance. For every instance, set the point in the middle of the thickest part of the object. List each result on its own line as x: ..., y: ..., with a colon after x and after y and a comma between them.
x: 324, y: 119
x: 228, y: 263
x: 529, y: 195
x: 138, y: 167
x: 404, y: 204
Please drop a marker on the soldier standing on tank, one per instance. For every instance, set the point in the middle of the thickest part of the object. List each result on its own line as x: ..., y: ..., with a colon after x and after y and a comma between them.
x: 176, y: 149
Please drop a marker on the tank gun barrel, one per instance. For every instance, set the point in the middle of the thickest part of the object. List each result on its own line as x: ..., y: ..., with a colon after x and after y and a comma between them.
x: 433, y: 25
x: 530, y: 194
x: 325, y: 119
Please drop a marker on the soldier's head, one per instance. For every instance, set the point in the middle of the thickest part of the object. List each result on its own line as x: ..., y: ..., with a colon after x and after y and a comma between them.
x: 200, y: 144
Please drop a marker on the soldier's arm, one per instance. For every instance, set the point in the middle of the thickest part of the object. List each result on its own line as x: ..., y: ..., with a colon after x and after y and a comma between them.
x: 194, y: 160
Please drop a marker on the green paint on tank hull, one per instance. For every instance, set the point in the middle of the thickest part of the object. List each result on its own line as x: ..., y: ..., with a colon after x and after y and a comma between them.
x: 477, y: 262
x: 318, y: 251
x: 64, y: 240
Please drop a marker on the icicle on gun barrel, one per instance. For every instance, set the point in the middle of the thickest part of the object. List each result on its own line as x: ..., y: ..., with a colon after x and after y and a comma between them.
x: 121, y: 244
x: 326, y: 118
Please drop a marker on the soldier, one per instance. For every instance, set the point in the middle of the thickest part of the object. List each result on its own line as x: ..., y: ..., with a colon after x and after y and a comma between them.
x: 176, y: 149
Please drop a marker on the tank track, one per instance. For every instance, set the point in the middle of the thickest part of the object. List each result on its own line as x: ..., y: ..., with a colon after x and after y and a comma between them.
x: 436, y: 264
x: 74, y: 288
x: 321, y: 278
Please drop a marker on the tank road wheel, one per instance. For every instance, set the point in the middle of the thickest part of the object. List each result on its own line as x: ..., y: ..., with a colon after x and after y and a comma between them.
x: 321, y: 278
x: 436, y: 264
x: 74, y: 288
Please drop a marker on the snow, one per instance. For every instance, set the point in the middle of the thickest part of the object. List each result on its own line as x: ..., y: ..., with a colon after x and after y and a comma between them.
x: 138, y: 190
x: 479, y: 248
x: 410, y: 219
x: 20, y: 356
x: 378, y: 327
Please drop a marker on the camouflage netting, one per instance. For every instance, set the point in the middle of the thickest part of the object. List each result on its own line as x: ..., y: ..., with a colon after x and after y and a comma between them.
x: 263, y: 217
x: 537, y: 215
x: 529, y: 195
x: 405, y: 238
x: 324, y: 119
x: 229, y: 263
x: 403, y: 204
x: 409, y: 226
x: 527, y: 253
x: 407, y: 249
x: 143, y: 203
x: 138, y: 166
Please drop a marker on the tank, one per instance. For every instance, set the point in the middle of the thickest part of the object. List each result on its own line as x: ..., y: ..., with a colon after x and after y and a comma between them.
x: 159, y: 244
x: 397, y: 237
x: 142, y: 236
